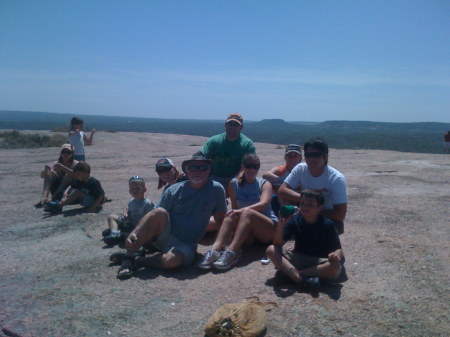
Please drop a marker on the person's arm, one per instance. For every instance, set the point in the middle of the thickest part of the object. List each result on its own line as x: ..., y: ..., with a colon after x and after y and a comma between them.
x: 278, y: 236
x: 337, y: 255
x: 337, y: 213
x: 285, y: 192
x: 272, y: 175
x: 63, y: 168
x: 232, y: 195
x: 88, y: 141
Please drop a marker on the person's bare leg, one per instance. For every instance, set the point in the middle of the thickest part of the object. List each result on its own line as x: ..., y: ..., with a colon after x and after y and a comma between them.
x: 172, y: 259
x: 327, y: 270
x: 254, y: 223
x: 72, y: 198
x: 149, y: 227
x: 48, y: 179
x: 113, y: 221
x: 283, y: 264
x: 228, y: 226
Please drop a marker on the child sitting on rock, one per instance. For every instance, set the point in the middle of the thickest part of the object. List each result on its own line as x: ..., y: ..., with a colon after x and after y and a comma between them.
x: 86, y: 190
x: 121, y: 225
x: 317, y: 251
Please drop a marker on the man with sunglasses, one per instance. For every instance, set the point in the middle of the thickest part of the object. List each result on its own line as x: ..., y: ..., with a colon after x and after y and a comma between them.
x: 227, y: 149
x: 179, y: 220
x: 316, y: 174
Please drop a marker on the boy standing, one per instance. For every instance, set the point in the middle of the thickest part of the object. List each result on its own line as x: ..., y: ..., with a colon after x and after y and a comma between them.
x: 317, y: 252
x: 86, y: 190
x: 138, y: 206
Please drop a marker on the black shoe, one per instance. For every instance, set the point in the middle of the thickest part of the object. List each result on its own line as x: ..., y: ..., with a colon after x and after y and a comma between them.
x: 311, y: 283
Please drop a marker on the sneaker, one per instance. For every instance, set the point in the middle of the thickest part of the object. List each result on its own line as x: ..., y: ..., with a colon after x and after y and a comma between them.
x: 208, y: 258
x: 106, y: 232
x: 311, y: 283
x: 226, y: 260
x: 113, y: 238
x: 53, y: 207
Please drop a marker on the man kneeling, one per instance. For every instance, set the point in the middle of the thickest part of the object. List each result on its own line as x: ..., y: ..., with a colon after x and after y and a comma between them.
x: 179, y: 220
x: 317, y: 252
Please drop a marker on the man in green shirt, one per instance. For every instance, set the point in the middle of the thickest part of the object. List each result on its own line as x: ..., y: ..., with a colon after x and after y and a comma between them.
x: 227, y: 149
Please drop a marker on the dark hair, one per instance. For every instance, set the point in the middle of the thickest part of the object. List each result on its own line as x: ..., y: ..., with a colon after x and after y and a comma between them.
x: 317, y: 143
x: 248, y: 158
x: 162, y: 183
x: 315, y: 194
x: 75, y: 121
x: 60, y: 160
x: 82, y: 167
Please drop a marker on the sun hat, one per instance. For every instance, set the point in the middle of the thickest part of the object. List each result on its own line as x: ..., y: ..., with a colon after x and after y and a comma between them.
x: 235, y: 117
x: 66, y: 147
x: 293, y: 148
x: 164, y: 163
x: 198, y: 156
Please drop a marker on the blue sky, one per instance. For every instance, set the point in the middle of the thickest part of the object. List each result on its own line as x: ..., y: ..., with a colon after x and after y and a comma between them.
x: 295, y: 60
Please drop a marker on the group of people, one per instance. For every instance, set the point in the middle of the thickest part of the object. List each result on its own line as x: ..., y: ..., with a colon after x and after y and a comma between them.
x: 165, y: 235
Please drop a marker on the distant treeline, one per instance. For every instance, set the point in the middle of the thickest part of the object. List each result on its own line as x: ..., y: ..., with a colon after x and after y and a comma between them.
x: 405, y: 137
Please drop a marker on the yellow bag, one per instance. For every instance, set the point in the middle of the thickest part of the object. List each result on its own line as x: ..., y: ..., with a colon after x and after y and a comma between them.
x: 245, y: 319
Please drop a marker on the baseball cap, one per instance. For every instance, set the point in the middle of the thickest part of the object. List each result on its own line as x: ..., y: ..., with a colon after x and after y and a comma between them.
x: 236, y: 118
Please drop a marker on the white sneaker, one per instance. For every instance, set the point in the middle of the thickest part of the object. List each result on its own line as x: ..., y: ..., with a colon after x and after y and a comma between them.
x: 208, y: 258
x: 226, y: 260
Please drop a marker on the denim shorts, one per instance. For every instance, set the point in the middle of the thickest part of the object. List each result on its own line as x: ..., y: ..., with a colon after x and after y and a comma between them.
x: 79, y: 157
x: 167, y: 242
x: 87, y: 200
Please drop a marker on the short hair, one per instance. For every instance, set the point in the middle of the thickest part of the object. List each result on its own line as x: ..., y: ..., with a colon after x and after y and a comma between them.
x: 76, y: 121
x: 317, y: 143
x: 315, y: 194
x: 82, y: 167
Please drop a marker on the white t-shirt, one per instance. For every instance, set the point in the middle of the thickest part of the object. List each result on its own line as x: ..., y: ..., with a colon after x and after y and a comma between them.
x: 331, y: 183
x: 77, y: 142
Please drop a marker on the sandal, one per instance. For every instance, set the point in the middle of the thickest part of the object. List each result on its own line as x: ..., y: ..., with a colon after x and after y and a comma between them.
x: 127, y: 268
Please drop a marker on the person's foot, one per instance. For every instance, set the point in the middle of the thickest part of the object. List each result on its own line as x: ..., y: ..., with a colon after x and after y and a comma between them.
x: 106, y: 232
x: 113, y: 238
x: 127, y: 268
x: 311, y: 283
x: 226, y: 260
x: 53, y: 207
x: 208, y: 258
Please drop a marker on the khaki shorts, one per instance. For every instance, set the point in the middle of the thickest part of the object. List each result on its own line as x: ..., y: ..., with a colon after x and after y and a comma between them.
x: 302, y: 261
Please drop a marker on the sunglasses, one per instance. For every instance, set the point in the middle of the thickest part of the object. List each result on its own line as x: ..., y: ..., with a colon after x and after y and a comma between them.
x: 160, y: 170
x: 66, y: 152
x: 233, y: 124
x: 316, y: 154
x: 201, y: 168
x: 135, y: 178
x: 252, y: 166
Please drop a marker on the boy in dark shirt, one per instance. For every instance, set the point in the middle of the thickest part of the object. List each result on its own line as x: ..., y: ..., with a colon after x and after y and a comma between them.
x: 317, y: 252
x: 86, y: 190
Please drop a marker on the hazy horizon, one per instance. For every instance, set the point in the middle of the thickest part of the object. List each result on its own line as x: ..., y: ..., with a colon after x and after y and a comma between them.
x: 306, y: 61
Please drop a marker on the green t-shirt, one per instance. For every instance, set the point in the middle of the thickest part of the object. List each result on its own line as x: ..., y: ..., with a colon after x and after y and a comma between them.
x: 227, y: 155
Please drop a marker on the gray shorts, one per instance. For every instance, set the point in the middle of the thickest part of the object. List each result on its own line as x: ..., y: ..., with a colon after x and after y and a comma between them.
x: 302, y: 261
x: 87, y: 200
x: 167, y: 242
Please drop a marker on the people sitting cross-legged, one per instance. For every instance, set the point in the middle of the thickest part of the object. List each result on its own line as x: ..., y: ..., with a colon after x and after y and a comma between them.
x: 121, y: 225
x: 276, y: 176
x: 317, y: 252
x: 250, y: 218
x: 179, y: 220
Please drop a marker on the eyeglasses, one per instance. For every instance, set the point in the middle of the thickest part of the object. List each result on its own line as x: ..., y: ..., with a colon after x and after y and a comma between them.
x: 252, y: 166
x: 135, y: 178
x: 233, y: 124
x: 163, y: 169
x: 201, y: 168
x: 315, y: 154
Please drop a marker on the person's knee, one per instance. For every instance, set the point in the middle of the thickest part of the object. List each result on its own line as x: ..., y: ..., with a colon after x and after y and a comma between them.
x: 172, y: 259
x: 334, y: 269
x: 271, y: 251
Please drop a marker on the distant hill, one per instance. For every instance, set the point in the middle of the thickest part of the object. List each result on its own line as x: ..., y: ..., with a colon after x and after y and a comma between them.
x: 405, y: 137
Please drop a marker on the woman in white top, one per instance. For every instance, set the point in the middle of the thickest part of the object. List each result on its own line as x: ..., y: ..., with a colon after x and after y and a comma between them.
x: 250, y: 218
